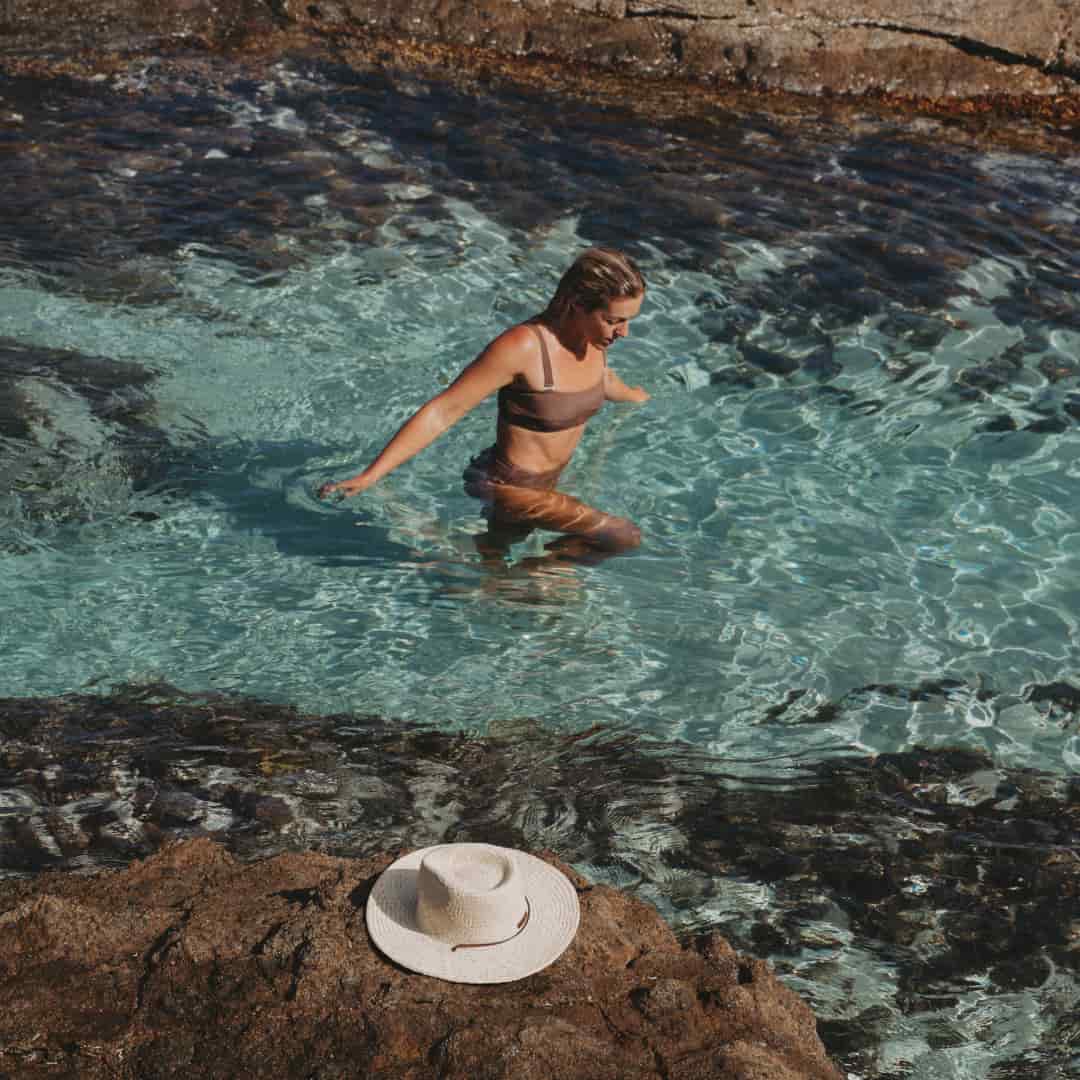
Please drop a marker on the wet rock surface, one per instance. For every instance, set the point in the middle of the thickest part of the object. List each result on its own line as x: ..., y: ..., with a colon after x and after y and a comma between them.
x: 195, y: 964
x: 846, y: 46
x: 939, y: 863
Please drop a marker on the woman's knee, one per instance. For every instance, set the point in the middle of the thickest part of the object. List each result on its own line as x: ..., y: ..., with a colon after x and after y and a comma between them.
x: 619, y: 534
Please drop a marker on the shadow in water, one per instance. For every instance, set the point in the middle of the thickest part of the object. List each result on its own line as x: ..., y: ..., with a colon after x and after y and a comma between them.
x: 268, y: 489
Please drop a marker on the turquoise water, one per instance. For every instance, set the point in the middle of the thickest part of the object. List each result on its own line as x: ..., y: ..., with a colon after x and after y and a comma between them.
x: 794, y: 539
x: 791, y: 542
x: 857, y: 478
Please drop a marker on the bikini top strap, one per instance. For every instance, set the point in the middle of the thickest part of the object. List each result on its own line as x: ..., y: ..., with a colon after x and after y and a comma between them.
x: 549, y: 377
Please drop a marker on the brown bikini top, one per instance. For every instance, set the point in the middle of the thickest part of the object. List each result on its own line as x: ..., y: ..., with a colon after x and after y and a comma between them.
x: 549, y: 409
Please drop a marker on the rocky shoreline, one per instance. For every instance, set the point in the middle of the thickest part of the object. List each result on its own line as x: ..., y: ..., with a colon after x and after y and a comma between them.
x: 844, y: 47
x: 195, y: 964
x: 980, y: 72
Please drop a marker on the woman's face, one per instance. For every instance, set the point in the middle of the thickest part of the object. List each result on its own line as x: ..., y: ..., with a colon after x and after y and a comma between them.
x: 604, y: 325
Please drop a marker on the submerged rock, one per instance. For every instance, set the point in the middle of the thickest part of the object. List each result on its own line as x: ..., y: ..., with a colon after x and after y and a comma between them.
x: 75, y: 430
x: 195, y: 964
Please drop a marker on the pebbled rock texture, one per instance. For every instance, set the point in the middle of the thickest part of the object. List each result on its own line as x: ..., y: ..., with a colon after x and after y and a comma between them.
x: 195, y: 964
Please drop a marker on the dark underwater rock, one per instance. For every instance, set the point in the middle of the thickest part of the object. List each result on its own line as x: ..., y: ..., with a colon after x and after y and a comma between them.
x: 42, y: 461
x: 1059, y: 695
x: 773, y: 362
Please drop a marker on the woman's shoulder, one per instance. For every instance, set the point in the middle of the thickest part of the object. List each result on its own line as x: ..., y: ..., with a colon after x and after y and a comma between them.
x: 517, y: 347
x: 523, y: 335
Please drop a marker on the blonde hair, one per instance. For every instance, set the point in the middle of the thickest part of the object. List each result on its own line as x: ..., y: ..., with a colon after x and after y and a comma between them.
x: 596, y: 276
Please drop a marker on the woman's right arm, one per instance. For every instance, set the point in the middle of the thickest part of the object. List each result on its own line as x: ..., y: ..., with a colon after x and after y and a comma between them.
x: 496, y: 366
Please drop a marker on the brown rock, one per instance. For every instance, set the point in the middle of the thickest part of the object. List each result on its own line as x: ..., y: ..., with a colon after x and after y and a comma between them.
x: 962, y: 48
x: 195, y: 964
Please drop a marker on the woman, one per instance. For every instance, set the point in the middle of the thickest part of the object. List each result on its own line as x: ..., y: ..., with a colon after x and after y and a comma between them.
x: 551, y: 374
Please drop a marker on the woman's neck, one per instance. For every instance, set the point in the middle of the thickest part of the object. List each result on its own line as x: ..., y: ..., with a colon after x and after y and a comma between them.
x: 568, y: 333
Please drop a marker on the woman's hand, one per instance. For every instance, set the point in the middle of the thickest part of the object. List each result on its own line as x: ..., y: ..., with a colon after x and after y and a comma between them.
x: 345, y: 488
x: 616, y: 390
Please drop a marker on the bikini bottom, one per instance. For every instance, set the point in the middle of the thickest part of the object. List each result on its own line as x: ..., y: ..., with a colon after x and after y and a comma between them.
x: 487, y: 471
x: 519, y: 501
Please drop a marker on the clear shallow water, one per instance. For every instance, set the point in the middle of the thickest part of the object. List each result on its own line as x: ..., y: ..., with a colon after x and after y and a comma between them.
x: 857, y: 477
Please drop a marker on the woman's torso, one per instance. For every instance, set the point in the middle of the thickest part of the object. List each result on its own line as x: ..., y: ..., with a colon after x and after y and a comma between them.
x: 542, y: 414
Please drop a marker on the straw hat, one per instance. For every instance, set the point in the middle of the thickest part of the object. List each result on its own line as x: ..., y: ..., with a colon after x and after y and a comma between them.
x: 472, y: 913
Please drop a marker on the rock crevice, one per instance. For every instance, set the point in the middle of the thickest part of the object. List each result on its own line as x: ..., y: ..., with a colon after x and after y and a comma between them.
x: 671, y: 14
x: 984, y: 50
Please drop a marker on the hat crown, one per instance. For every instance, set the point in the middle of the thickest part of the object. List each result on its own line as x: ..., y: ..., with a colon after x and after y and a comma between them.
x: 469, y: 894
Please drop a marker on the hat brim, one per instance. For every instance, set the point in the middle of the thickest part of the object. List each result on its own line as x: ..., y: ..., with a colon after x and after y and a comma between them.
x: 554, y: 914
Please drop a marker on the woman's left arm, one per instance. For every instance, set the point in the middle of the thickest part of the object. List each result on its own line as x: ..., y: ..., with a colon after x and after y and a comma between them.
x: 616, y: 390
